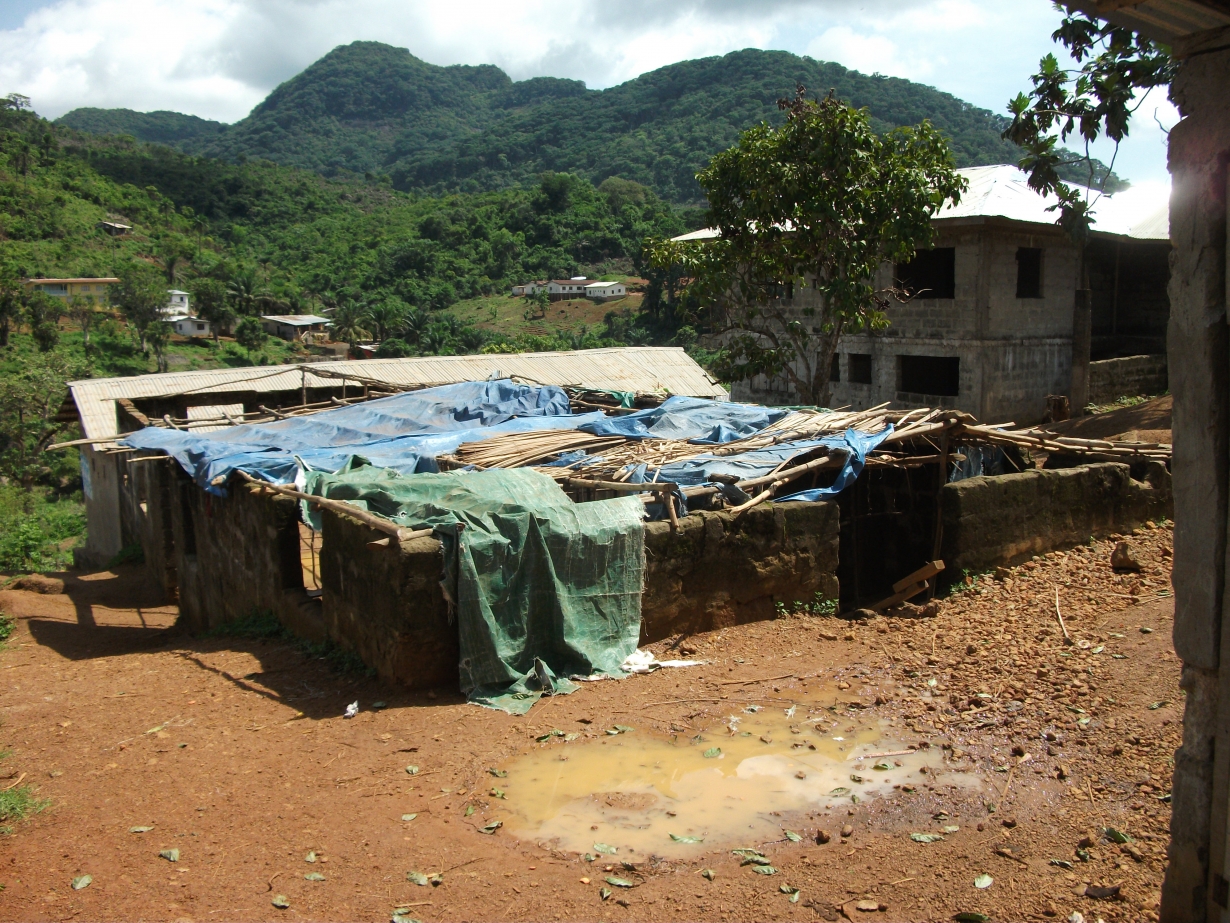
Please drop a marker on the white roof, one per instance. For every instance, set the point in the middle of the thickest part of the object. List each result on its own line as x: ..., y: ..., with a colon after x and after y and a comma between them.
x: 175, y: 291
x: 1002, y: 191
x: 622, y: 368
x: 295, y: 320
x: 602, y: 284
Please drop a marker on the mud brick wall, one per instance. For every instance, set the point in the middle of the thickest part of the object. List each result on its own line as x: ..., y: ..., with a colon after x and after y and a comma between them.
x: 718, y: 571
x: 238, y: 555
x: 386, y: 603
x: 990, y: 521
x: 1130, y: 376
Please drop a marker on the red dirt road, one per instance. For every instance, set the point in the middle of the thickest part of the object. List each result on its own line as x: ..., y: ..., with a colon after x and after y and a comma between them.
x: 236, y: 754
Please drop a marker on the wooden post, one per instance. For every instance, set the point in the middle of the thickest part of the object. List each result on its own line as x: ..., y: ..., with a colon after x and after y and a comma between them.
x: 939, y: 506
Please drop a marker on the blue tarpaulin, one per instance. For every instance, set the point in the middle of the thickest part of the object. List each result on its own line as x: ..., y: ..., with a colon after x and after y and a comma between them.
x: 692, y: 418
x: 405, y: 432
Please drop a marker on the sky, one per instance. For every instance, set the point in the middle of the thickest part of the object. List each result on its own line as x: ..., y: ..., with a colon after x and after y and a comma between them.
x: 218, y: 58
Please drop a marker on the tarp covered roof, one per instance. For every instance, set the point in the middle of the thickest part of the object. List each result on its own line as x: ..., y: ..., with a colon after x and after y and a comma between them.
x: 624, y: 368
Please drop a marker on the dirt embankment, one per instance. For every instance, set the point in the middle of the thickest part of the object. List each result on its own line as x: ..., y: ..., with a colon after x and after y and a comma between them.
x: 236, y: 754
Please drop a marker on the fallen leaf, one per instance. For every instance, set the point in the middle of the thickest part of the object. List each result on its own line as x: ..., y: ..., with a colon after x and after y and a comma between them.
x: 605, y: 848
x: 412, y: 770
x: 970, y: 916
x: 140, y: 829
x: 171, y: 855
x: 1116, y: 836
x: 499, y: 773
x: 469, y: 810
x: 280, y: 901
x: 764, y: 870
x: 619, y: 882
x: 604, y: 893
x: 983, y: 881
x: 792, y: 836
x: 926, y: 837
x: 82, y: 881
x: 708, y: 873
x: 402, y: 915
x: 712, y: 753
x: 491, y: 827
x: 314, y: 876
x: 310, y: 857
x: 687, y: 839
x: 409, y: 816
x: 417, y: 878
x: 497, y: 793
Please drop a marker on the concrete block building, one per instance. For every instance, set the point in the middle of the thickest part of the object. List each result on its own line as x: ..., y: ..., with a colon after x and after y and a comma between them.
x: 997, y: 321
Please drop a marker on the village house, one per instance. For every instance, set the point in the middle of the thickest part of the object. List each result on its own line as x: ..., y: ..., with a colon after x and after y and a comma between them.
x: 998, y: 321
x: 188, y: 326
x: 178, y: 304
x: 293, y: 327
x: 605, y: 291
x: 576, y: 287
x: 95, y: 290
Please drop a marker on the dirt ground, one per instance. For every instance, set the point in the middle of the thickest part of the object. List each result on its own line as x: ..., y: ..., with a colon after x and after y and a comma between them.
x: 1147, y: 422
x: 236, y: 754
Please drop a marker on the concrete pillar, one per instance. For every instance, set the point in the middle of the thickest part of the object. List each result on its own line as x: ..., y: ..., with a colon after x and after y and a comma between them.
x: 1082, y: 340
x: 1195, y: 885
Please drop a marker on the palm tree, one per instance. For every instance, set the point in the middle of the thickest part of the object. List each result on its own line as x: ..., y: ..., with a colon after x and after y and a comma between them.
x: 351, y: 324
x: 414, y: 325
x: 386, y: 319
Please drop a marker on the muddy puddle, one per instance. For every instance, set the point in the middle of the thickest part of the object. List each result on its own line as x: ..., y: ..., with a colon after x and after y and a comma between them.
x: 743, y: 779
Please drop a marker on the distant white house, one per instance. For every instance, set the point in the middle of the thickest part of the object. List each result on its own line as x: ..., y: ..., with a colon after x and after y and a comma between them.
x: 294, y: 326
x: 529, y: 288
x: 177, y: 304
x: 188, y: 326
x: 559, y: 289
x: 605, y: 291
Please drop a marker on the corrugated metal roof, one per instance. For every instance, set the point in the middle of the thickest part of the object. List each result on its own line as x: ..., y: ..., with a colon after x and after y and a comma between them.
x: 298, y: 320
x: 624, y: 368
x: 1002, y: 192
x: 1162, y: 20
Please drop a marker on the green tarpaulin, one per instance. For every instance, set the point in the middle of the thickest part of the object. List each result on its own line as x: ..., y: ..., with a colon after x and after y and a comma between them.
x: 542, y: 588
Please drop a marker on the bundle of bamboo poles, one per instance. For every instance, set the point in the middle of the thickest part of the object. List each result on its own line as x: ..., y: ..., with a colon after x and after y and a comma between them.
x: 513, y: 450
x: 1042, y: 441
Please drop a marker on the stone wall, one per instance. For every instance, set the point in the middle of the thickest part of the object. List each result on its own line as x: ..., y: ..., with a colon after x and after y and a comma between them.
x: 992, y: 521
x: 387, y: 605
x: 718, y: 571
x: 1130, y: 376
x: 237, y: 556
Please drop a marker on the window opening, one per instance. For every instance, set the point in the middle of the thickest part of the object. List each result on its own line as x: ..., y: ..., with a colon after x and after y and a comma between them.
x: 935, y: 375
x: 931, y: 274
x: 859, y: 368
x: 309, y: 557
x: 1029, y: 272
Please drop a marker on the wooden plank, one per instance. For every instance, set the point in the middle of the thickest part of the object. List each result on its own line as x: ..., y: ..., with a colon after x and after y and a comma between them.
x: 926, y: 572
x: 908, y: 593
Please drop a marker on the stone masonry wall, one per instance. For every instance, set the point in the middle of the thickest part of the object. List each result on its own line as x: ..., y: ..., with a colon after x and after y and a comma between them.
x: 387, y: 605
x: 1130, y: 376
x: 992, y: 521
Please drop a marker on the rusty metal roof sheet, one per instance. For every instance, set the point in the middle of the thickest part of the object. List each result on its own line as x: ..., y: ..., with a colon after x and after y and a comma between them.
x: 624, y: 368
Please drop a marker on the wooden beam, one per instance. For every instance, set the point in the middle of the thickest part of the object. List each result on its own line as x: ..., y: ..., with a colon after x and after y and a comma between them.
x: 926, y: 572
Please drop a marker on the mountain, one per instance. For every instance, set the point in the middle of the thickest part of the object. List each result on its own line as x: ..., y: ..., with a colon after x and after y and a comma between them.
x: 370, y: 108
x: 161, y: 127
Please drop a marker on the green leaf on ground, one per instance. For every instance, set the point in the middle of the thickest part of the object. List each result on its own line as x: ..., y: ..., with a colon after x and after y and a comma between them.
x: 792, y: 836
x: 409, y: 816
x: 619, y: 882
x: 712, y: 753
x: 281, y: 901
x: 82, y: 881
x: 840, y: 790
x: 604, y: 893
x: 983, y: 881
x: 926, y: 837
x: 171, y: 855
x: 764, y: 870
x: 417, y: 878
x: 605, y: 848
x: 1116, y: 836
x: 412, y: 770
x: 687, y: 839
x: 499, y: 773
x: 708, y: 873
x: 314, y: 876
x: 969, y: 916
x: 310, y: 857
x: 491, y: 827
x: 140, y: 829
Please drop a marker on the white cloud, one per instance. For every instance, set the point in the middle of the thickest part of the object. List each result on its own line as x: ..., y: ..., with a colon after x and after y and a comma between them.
x: 218, y: 58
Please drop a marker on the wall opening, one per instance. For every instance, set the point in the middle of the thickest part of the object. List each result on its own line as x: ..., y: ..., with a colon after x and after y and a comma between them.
x: 187, y: 524
x: 859, y: 365
x: 835, y: 368
x: 1029, y: 272
x: 309, y: 558
x: 936, y: 375
x: 931, y: 274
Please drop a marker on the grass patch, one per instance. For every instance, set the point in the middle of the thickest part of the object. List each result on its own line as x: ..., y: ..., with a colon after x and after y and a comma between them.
x: 39, y: 528
x: 129, y: 554
x: 1133, y: 400
x: 7, y: 624
x: 17, y: 804
x: 263, y: 625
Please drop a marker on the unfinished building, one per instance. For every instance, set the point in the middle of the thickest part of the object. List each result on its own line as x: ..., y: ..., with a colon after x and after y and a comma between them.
x: 506, y: 536
x: 1001, y: 318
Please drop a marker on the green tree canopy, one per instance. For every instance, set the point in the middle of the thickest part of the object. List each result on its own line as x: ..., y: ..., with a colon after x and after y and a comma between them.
x: 824, y: 201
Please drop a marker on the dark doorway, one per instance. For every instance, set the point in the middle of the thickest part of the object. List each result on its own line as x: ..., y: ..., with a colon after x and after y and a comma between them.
x: 1029, y: 272
x: 859, y: 368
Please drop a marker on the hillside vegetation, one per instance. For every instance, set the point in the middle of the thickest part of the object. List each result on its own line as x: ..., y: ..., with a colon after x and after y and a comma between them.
x: 375, y: 110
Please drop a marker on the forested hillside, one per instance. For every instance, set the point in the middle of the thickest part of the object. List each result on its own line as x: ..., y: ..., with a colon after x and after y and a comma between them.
x: 372, y: 109
x: 161, y: 127
x: 297, y: 237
